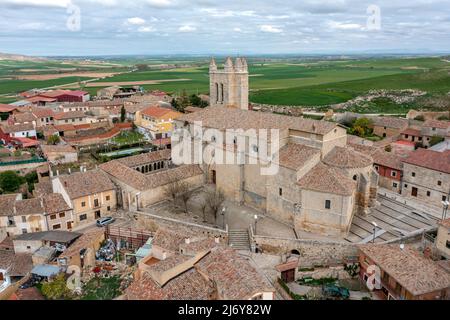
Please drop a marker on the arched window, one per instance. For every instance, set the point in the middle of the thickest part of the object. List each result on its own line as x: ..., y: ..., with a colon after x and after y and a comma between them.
x: 221, y: 90
x: 154, y: 166
x: 142, y: 169
x: 217, y: 92
x: 296, y: 252
x: 355, y: 177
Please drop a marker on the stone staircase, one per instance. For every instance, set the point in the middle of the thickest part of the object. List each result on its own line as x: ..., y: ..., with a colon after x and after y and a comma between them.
x: 238, y: 239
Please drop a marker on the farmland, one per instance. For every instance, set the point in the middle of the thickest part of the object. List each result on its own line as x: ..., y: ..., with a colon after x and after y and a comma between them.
x: 306, y: 82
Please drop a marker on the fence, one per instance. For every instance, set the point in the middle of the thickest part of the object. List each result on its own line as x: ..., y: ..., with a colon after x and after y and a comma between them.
x: 20, y: 162
x: 132, y: 238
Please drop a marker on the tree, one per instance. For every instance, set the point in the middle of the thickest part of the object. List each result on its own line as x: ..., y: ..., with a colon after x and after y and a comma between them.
x: 31, y: 179
x: 56, y: 289
x: 185, y: 194
x: 174, y: 103
x: 214, y: 199
x: 361, y: 127
x: 10, y: 181
x: 203, y: 207
x: 123, y: 114
x: 53, y: 139
x: 179, y: 190
x: 388, y: 148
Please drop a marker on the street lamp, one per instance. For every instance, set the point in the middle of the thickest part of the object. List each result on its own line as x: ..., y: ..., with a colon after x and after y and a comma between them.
x: 445, y: 205
x: 375, y: 226
x: 256, y: 221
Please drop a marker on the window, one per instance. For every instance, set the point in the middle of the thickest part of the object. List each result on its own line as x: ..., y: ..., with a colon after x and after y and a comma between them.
x: 108, y: 208
x: 108, y: 198
x: 327, y: 204
x: 280, y: 191
x: 96, y: 203
x: 384, y: 135
x: 355, y: 177
x: 406, y: 136
x: 53, y: 217
x: 24, y: 231
x: 24, y: 219
x: 83, y: 204
x: 406, y: 186
x: 83, y: 217
x: 377, y: 168
x: 395, y: 185
x: 413, y: 174
x: 56, y: 227
x: 444, y: 198
x: 255, y: 148
x: 62, y: 215
x: 439, y: 183
x: 393, y: 173
x: 28, y: 247
x: 428, y: 193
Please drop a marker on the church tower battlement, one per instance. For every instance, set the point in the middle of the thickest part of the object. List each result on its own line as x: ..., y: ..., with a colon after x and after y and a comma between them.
x: 228, y: 87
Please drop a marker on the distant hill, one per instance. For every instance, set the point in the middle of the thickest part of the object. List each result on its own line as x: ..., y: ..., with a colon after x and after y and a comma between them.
x: 18, y: 57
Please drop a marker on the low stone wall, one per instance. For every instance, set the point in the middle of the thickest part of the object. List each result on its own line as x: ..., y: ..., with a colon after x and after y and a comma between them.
x: 312, y: 252
x: 207, y: 231
x: 20, y: 167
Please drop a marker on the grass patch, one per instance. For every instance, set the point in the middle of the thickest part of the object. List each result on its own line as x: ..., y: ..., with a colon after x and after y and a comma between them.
x: 308, y: 281
x: 128, y: 137
x: 102, y: 289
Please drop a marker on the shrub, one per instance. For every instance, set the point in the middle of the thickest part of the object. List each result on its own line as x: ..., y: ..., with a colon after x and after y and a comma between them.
x: 10, y: 181
x: 57, y: 289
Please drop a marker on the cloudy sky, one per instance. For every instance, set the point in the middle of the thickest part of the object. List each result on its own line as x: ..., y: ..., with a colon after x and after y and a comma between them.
x: 107, y: 27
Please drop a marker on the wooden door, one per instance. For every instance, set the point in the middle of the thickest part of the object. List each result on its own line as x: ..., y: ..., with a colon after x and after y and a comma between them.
x: 414, y: 192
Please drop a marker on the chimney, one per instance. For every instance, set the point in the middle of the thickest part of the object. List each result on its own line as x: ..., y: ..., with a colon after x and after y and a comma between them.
x: 70, y: 171
x: 217, y: 239
x: 187, y: 240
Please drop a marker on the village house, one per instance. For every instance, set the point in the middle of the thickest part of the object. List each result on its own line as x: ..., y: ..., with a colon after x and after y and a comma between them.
x: 61, y: 153
x: 13, y: 267
x: 22, y: 118
x: 44, y: 116
x: 434, y: 128
x: 62, y: 96
x: 142, y: 179
x: 443, y: 238
x: 90, y: 194
x: 388, y: 126
x: 32, y: 242
x: 426, y: 176
x: 200, y: 269
x: 70, y: 117
x: 405, y: 273
x: 156, y: 122
x: 10, y: 133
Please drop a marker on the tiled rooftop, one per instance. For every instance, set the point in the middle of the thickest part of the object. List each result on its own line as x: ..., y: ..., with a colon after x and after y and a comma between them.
x: 81, y: 184
x: 347, y: 158
x: 434, y: 160
x: 294, y: 156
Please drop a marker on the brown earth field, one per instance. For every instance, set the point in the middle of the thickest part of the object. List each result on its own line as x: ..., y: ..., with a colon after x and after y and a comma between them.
x: 131, y: 83
x: 43, y: 77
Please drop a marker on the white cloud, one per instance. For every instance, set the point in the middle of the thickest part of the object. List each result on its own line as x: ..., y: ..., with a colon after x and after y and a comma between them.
x: 187, y: 28
x: 39, y: 3
x: 146, y: 29
x: 237, y: 30
x: 33, y: 26
x: 344, y: 26
x: 270, y: 29
x: 136, y: 21
x: 160, y: 3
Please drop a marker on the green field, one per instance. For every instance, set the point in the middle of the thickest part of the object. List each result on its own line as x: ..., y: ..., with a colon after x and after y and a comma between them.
x: 312, y: 82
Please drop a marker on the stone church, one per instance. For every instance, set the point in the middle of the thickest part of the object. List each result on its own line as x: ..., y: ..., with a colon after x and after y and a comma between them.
x: 321, y: 182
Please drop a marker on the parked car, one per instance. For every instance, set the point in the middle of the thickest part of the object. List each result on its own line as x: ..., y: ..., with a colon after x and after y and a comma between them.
x: 105, y: 221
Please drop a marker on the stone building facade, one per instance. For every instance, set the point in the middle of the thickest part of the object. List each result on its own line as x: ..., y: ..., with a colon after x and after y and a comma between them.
x: 229, y: 86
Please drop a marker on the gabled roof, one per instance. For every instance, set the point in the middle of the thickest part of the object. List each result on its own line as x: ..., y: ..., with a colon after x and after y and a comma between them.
x: 161, y: 113
x: 436, y: 124
x: 82, y: 184
x: 232, y: 118
x: 433, y: 160
x: 295, y: 156
x: 69, y: 115
x: 327, y: 179
x: 16, y: 127
x: 416, y: 273
x: 390, y: 122
x: 347, y: 158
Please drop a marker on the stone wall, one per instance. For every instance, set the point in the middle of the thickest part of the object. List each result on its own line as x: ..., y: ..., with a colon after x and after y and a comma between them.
x: 312, y: 252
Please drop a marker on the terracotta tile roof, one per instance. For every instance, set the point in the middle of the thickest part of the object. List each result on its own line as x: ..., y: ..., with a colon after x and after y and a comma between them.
x: 171, y: 240
x: 65, y: 127
x: 17, y: 127
x: 417, y: 274
x: 54, y: 93
x: 146, y: 158
x: 23, y: 117
x: 55, y: 203
x: 327, y: 179
x: 196, y: 246
x: 231, y: 118
x: 30, y: 206
x: 387, y: 159
x: 295, y: 156
x: 390, y: 122
x: 192, y: 109
x: 69, y: 115
x: 434, y: 160
x: 7, y: 108
x: 351, y: 140
x: 190, y: 285
x: 87, y: 240
x: 436, y: 124
x: 168, y: 263
x: 7, y: 203
x: 63, y: 148
x: 234, y: 276
x: 17, y: 264
x: 43, y: 188
x: 42, y: 112
x: 347, y: 157
x: 121, y: 171
x: 40, y: 99
x: 82, y: 184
